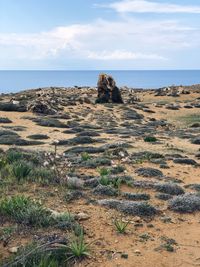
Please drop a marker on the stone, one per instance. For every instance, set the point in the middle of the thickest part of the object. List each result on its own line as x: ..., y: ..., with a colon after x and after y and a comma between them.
x: 81, y: 216
x: 107, y: 90
x: 13, y: 250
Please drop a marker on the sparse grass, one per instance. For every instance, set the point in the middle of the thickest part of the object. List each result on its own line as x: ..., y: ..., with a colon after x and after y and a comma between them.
x: 120, y: 225
x: 188, y: 119
x: 6, y: 233
x: 43, y: 175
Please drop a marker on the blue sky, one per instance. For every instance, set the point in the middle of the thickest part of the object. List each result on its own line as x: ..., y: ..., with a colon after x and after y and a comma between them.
x: 99, y: 34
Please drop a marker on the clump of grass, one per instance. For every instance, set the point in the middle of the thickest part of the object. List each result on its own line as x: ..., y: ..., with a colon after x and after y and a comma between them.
x: 120, y: 225
x: 78, y: 248
x: 65, y: 221
x: 150, y: 139
x: 104, y: 180
x: 13, y: 156
x: 23, y: 210
x: 3, y: 163
x: 21, y: 170
x: 43, y: 175
x: 85, y: 156
x: 103, y: 171
x: 6, y: 233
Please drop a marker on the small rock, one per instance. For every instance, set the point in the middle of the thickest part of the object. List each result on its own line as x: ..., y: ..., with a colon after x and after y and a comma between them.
x: 124, y: 256
x: 137, y: 251
x: 13, y: 250
x: 81, y: 216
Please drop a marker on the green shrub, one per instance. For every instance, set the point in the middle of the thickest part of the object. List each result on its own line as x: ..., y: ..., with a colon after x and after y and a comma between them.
x: 150, y: 139
x: 23, y: 210
x: 13, y: 156
x: 85, y: 156
x: 21, y: 170
x: 103, y: 171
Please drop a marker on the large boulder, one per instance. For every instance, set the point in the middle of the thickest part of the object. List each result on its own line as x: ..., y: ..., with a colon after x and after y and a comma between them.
x: 107, y: 90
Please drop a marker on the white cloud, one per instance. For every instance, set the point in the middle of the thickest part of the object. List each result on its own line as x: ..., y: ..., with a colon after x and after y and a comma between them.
x: 143, y: 6
x: 122, y: 55
x: 125, y: 40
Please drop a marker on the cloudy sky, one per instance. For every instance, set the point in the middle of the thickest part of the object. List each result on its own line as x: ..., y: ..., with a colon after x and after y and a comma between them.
x: 99, y: 34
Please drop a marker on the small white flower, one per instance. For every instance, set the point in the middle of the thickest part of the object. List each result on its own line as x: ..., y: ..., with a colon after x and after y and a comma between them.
x: 46, y: 163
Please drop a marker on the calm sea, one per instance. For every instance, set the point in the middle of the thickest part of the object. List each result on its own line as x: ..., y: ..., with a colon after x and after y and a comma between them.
x: 13, y: 81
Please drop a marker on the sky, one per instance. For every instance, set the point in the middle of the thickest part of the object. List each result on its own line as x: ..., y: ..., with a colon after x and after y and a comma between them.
x: 99, y: 34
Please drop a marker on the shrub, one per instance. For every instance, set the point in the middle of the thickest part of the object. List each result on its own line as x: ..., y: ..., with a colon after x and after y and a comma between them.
x: 150, y: 139
x: 23, y: 210
x: 43, y: 175
x: 186, y: 203
x: 13, y: 156
x: 21, y: 170
x: 85, y: 156
x: 103, y: 171
x: 118, y: 169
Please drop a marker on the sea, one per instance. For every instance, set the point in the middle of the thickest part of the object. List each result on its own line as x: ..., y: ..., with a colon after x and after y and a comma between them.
x: 15, y: 81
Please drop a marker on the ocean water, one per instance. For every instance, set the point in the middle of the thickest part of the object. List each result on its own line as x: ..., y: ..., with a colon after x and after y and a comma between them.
x: 14, y: 81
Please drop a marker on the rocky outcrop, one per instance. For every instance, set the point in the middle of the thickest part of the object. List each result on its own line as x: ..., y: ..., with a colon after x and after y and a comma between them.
x: 107, y: 90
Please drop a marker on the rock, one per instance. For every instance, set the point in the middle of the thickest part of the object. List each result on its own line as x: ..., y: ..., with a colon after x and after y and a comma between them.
x: 149, y: 172
x: 137, y: 252
x: 107, y: 90
x: 185, y: 161
x: 81, y: 216
x: 13, y: 250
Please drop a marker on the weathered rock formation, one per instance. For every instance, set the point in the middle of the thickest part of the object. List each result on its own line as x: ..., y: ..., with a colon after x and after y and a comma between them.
x: 108, y: 92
